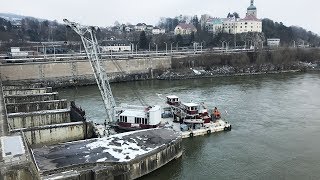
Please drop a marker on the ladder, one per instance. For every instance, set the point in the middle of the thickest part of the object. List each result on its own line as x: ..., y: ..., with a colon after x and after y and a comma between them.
x: 90, y: 43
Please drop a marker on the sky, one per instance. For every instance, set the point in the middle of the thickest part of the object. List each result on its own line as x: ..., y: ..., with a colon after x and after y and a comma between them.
x: 303, y: 13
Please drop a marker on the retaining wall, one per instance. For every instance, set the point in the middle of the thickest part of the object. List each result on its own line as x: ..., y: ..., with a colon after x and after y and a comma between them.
x: 26, y: 91
x: 37, y: 106
x: 52, y: 134
x: 40, y: 118
x: 79, y: 71
x: 31, y: 98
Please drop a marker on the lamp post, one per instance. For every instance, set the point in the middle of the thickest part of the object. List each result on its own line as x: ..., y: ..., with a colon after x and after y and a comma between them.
x: 166, y: 47
x: 44, y: 51
x: 110, y: 51
x: 54, y: 52
x: 227, y: 45
x: 194, y: 47
x: 149, y: 46
x: 177, y: 46
x: 132, y: 47
x: 171, y: 46
x: 222, y: 44
x: 201, y: 45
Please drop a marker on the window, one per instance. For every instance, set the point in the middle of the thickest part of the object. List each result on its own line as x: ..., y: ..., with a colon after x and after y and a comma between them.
x: 241, y: 26
x: 123, y: 119
x: 140, y: 120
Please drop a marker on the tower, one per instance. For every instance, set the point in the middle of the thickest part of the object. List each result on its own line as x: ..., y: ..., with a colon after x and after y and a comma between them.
x: 252, y: 10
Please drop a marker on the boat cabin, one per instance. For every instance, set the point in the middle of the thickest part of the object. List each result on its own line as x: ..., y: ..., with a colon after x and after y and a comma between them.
x: 191, y: 108
x: 173, y: 100
x: 142, y: 116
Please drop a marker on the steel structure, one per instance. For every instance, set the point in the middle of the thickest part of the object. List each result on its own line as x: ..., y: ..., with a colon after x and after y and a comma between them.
x: 90, y: 43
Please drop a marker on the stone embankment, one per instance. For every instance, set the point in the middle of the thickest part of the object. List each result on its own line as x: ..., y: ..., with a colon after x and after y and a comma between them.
x: 200, y: 72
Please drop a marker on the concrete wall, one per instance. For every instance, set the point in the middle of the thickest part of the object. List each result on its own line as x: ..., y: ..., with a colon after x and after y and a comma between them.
x: 52, y: 134
x: 18, y: 172
x: 41, y: 118
x: 31, y: 98
x: 61, y: 72
x: 26, y: 91
x: 37, y: 106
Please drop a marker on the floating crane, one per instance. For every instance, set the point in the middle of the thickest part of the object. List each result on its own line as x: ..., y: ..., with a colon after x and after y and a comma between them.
x: 90, y: 43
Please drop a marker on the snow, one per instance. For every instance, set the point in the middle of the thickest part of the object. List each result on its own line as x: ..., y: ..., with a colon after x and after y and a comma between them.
x: 133, y: 113
x: 196, y: 71
x: 190, y: 104
x: 172, y: 97
x: 120, y: 149
x: 12, y: 146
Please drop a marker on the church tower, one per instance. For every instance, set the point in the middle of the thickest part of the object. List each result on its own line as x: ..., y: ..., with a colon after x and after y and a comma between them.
x: 252, y: 10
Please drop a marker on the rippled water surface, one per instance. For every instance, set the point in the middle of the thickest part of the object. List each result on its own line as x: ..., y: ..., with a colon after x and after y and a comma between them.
x: 275, y: 119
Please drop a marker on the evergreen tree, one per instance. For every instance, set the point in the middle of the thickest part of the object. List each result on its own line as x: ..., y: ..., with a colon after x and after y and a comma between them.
x: 143, y: 41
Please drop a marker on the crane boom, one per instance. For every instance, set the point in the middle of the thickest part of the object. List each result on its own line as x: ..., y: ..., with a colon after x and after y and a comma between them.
x: 90, y: 43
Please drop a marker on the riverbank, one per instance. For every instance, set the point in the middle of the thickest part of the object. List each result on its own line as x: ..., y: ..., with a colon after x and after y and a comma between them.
x: 222, y: 71
x: 79, y: 72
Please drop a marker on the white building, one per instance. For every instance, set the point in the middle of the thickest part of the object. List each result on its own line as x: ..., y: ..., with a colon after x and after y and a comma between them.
x: 248, y: 24
x: 184, y: 29
x: 214, y: 25
x: 236, y: 26
x: 140, y: 27
x: 149, y: 27
x: 157, y: 30
x: 273, y: 42
x: 115, y: 46
x: 15, y: 52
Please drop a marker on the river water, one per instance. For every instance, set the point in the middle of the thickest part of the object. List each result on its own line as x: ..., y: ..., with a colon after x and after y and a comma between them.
x: 275, y: 120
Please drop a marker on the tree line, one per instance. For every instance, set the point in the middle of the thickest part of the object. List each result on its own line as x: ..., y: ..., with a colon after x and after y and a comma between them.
x: 40, y: 31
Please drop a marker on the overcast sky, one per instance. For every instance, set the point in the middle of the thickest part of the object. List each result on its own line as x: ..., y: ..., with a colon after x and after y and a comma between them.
x: 304, y: 13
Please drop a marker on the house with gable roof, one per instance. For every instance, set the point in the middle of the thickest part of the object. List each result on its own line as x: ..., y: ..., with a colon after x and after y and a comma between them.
x: 184, y: 29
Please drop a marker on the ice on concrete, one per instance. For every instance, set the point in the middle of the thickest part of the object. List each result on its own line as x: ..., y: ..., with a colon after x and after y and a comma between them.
x: 12, y: 146
x: 116, y: 148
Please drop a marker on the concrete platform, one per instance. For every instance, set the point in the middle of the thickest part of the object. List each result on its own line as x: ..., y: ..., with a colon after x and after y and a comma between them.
x: 153, y: 148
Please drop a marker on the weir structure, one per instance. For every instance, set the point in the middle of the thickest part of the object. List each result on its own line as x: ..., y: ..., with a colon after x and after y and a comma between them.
x: 34, y: 116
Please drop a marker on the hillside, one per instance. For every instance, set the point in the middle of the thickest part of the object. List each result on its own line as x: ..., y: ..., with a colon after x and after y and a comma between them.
x: 20, y: 29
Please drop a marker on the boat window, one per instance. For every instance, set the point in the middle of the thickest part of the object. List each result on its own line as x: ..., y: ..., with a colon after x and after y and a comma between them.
x: 123, y: 119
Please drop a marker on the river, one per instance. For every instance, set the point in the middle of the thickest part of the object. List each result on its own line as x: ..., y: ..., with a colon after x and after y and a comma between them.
x: 275, y: 120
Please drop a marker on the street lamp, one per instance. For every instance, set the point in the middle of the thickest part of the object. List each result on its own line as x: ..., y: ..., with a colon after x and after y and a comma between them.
x: 110, y: 47
x: 171, y: 46
x: 227, y: 45
x: 54, y: 52
x: 222, y: 44
x: 166, y: 47
x: 132, y: 47
x: 44, y: 51
x: 201, y: 45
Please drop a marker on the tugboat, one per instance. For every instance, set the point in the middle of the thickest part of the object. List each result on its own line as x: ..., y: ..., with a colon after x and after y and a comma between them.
x: 194, y: 118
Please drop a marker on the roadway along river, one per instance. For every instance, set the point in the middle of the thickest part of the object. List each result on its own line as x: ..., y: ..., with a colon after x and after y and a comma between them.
x: 275, y: 119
